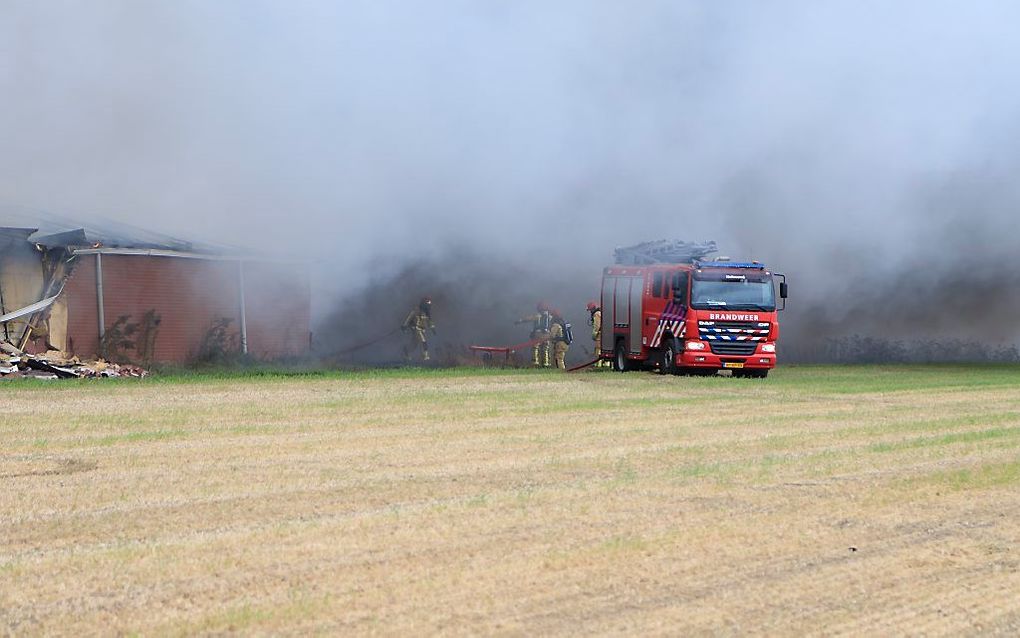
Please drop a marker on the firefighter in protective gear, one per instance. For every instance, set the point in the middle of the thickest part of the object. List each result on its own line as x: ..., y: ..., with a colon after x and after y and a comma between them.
x: 558, y: 338
x: 541, y: 325
x: 595, y: 319
x: 418, y: 321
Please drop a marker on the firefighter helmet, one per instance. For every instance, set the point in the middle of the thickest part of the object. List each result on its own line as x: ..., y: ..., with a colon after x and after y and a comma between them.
x: 542, y: 307
x: 592, y: 306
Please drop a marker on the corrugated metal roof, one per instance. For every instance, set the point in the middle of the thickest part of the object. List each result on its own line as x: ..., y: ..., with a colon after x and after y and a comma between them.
x: 57, y: 231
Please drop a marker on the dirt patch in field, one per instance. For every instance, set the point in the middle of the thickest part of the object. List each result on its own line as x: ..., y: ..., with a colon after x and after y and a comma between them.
x: 23, y: 466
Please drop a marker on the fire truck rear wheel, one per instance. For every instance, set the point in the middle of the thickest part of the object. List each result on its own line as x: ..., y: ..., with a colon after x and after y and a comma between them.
x: 620, y: 363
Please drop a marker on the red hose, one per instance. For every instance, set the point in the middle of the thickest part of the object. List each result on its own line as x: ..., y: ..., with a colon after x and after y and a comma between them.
x: 583, y: 365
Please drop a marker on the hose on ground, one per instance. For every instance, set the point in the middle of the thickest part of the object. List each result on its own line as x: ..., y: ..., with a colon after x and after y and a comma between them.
x: 367, y: 343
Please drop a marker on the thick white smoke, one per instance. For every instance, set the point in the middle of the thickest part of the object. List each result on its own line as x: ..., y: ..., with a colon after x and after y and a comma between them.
x: 866, y: 148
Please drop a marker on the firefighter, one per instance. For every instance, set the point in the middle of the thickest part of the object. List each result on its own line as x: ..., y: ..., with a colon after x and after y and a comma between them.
x: 595, y: 320
x: 559, y: 336
x: 541, y: 325
x: 418, y: 321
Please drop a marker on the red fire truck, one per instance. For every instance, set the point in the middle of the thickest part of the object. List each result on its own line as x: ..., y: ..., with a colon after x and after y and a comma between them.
x: 665, y: 306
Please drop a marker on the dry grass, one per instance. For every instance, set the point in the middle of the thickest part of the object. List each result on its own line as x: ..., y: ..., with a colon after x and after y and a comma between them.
x: 820, y: 501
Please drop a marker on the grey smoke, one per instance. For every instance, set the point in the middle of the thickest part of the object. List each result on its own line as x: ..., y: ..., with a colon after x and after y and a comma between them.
x: 867, y: 149
x: 477, y: 300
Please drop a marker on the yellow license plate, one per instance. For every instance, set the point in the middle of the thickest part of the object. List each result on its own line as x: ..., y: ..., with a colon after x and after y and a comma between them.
x: 733, y: 365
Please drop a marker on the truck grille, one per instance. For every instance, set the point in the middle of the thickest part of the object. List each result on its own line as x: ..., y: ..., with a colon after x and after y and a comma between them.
x: 742, y: 348
x: 738, y: 338
x: 733, y: 331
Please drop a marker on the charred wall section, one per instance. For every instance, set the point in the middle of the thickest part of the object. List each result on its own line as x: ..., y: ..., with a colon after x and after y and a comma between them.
x: 277, y: 299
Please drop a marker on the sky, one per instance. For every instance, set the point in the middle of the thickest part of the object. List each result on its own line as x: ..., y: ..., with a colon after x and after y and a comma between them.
x: 867, y: 149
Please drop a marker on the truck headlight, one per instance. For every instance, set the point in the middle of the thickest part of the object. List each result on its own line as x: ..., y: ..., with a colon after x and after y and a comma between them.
x: 768, y: 347
x: 695, y: 345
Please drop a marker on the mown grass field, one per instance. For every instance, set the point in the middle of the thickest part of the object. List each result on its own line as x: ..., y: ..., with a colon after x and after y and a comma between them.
x: 823, y: 500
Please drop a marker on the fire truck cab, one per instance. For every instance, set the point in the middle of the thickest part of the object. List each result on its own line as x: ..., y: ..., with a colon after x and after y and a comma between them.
x: 664, y: 306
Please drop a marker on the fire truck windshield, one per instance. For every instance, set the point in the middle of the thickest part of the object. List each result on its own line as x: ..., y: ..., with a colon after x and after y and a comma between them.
x: 734, y: 292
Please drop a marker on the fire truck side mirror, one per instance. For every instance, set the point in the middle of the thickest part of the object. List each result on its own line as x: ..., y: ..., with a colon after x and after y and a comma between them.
x: 783, y: 290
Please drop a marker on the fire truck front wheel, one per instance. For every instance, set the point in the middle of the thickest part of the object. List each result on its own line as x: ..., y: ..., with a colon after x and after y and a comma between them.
x: 667, y: 365
x: 620, y: 362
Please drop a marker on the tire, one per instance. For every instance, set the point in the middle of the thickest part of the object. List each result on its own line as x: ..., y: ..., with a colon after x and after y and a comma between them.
x: 668, y: 363
x: 620, y: 363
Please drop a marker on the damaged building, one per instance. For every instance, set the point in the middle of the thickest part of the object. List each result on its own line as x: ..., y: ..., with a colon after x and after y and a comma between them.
x: 129, y: 296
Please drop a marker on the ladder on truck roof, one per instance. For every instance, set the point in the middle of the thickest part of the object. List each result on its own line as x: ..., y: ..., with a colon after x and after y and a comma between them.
x: 663, y: 251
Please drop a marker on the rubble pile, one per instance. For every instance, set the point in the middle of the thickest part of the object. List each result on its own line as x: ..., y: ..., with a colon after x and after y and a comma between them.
x: 57, y: 365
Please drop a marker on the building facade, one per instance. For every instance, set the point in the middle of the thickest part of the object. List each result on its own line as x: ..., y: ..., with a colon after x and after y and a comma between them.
x: 151, y: 305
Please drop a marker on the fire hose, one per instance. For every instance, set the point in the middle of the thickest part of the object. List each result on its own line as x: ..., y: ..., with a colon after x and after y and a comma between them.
x: 583, y: 366
x: 368, y: 343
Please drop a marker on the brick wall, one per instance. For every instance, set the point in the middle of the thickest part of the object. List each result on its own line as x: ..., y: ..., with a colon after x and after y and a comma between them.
x: 190, y: 296
x: 82, y: 314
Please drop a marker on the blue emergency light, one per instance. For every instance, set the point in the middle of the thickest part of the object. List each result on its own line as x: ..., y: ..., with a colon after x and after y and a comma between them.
x: 729, y: 264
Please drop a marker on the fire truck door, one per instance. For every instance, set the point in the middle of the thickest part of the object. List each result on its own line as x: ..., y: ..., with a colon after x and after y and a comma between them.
x: 621, y: 308
x: 637, y: 289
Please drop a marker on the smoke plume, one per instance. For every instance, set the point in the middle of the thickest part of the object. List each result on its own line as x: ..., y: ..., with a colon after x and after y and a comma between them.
x: 493, y: 154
